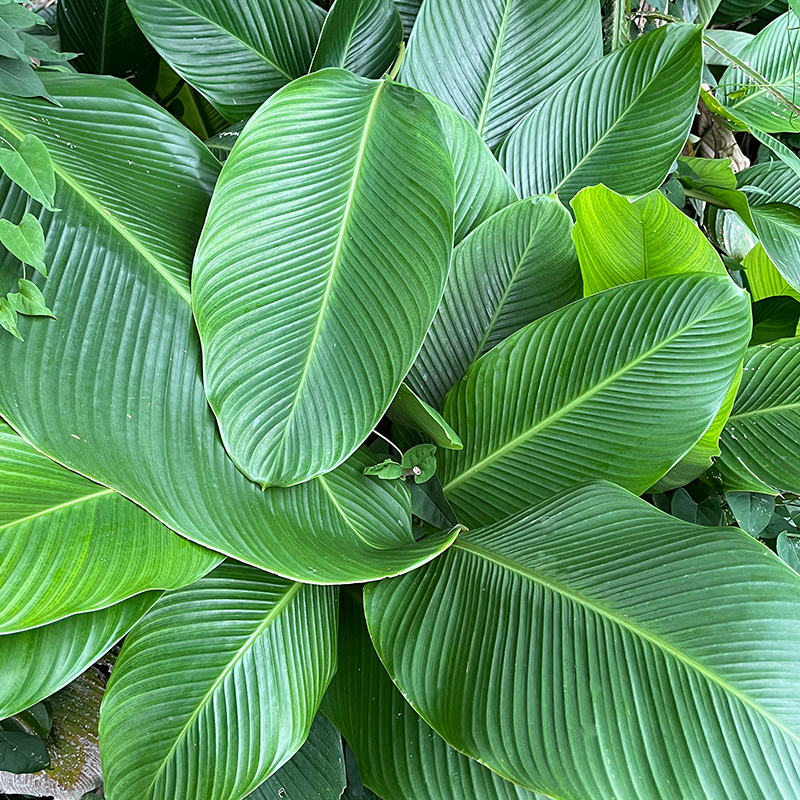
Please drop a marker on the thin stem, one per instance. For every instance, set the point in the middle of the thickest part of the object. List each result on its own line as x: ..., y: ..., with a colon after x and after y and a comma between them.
x: 399, y: 62
x: 389, y: 441
x: 174, y: 93
x: 620, y: 35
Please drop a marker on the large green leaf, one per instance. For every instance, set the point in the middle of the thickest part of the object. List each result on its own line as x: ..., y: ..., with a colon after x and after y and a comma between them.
x: 773, y: 54
x: 399, y: 755
x: 763, y: 277
x: 759, y: 451
x: 321, y: 265
x: 619, y: 386
x: 217, y: 687
x: 734, y: 10
x: 38, y: 662
x: 236, y: 52
x: 493, y: 60
x: 113, y: 387
x: 621, y: 240
x: 621, y: 122
x: 363, y: 36
x: 595, y: 647
x: 516, y: 267
x: 408, y: 13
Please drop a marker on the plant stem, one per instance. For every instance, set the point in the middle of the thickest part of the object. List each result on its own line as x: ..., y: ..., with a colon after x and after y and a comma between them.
x: 389, y: 441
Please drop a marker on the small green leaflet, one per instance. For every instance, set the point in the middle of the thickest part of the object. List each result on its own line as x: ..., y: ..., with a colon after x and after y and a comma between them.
x: 419, y: 462
x: 31, y: 169
x: 25, y: 241
x: 28, y: 300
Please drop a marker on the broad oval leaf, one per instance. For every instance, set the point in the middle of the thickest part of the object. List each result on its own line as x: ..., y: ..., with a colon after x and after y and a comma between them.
x: 174, y: 721
x: 493, y: 60
x: 642, y: 368
x: 35, y: 663
x: 594, y: 646
x: 399, y: 755
x: 321, y: 265
x: 120, y: 255
x: 363, y: 36
x: 235, y: 53
x: 758, y: 443
x: 514, y: 268
x: 621, y: 122
x: 70, y: 545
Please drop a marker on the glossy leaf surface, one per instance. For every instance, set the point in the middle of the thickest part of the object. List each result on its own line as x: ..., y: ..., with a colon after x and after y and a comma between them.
x: 408, y: 410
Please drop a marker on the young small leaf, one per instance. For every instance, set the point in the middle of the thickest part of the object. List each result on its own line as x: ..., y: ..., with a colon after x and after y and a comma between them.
x: 420, y: 462
x: 29, y: 300
x: 31, y: 168
x: 8, y: 317
x: 387, y: 470
x: 25, y: 241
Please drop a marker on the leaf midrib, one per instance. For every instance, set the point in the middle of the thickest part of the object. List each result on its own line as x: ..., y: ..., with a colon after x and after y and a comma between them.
x: 768, y: 410
x: 58, y: 507
x: 623, y: 622
x: 493, y: 71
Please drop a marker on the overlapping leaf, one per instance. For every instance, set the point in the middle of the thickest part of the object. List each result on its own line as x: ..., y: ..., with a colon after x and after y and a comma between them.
x: 236, y: 54
x: 408, y: 13
x: 621, y: 122
x: 113, y: 387
x: 514, y: 268
x: 321, y: 265
x: 594, y: 646
x: 493, y: 60
x: 174, y: 721
x: 643, y: 368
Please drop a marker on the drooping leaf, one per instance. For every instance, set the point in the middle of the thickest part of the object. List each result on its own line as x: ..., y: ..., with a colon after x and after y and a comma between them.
x: 514, y: 268
x: 621, y: 122
x: 758, y: 443
x: 29, y: 165
x: 175, y: 721
x: 494, y: 60
x: 363, y: 36
x: 236, y: 53
x: 119, y: 286
x: 25, y: 241
x: 70, y: 545
x: 621, y: 240
x: 713, y: 181
x: 752, y: 510
x: 763, y: 277
x: 408, y: 410
x: 593, y: 646
x: 35, y: 663
x: 305, y: 290
x: 399, y: 755
x: 643, y: 368
x: 19, y: 79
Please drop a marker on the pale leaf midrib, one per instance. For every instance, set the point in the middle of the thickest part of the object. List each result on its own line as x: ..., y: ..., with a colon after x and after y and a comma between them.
x: 493, y: 71
x: 59, y: 507
x: 341, y: 511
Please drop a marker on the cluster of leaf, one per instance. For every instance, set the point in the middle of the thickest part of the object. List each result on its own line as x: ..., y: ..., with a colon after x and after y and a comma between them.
x: 452, y: 229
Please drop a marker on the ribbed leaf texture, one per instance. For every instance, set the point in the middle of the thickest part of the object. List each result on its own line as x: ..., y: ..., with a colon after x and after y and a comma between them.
x: 758, y: 443
x: 763, y: 277
x: 622, y: 122
x: 516, y: 267
x: 735, y: 10
x: 411, y: 412
x: 363, y: 36
x: 399, y: 755
x: 35, y: 663
x: 642, y: 368
x: 594, y: 646
x: 321, y: 265
x: 235, y: 53
x: 69, y: 545
x: 217, y: 687
x: 113, y: 388
x: 494, y: 60
x: 773, y: 54
x: 408, y: 13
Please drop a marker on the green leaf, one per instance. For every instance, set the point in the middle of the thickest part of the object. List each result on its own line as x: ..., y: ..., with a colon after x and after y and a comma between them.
x: 772, y: 54
x: 517, y: 266
x: 31, y: 168
x: 594, y: 129
x: 399, y: 755
x: 35, y: 47
x: 305, y: 290
x: 315, y: 772
x: 29, y: 300
x: 22, y: 752
x: 363, y: 36
x: 642, y: 368
x: 707, y: 512
x: 11, y: 45
x: 17, y: 16
x: 387, y: 470
x: 174, y: 721
x: 752, y: 510
x: 18, y: 79
x: 787, y: 548
x: 408, y: 13
x: 594, y: 647
x: 420, y: 461
x: 236, y: 52
x: 758, y: 443
x: 733, y: 41
x: 222, y: 143
x: 25, y: 241
x: 735, y: 10
x: 774, y: 318
x: 493, y: 60
x: 8, y: 318
x: 35, y: 663
x: 408, y: 410
x: 763, y: 278
x: 119, y: 285
x: 621, y: 240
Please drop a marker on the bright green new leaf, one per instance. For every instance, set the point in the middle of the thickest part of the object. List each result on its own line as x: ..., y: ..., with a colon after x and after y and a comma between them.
x: 25, y: 241
x: 420, y: 461
x: 217, y: 687
x: 494, y: 60
x: 236, y: 54
x: 514, y: 268
x: 408, y: 410
x: 119, y: 284
x: 29, y: 300
x: 763, y: 277
x: 387, y: 470
x: 35, y: 663
x: 322, y: 262
x: 363, y: 36
x: 8, y: 318
x: 621, y: 122
x: 31, y: 168
x: 643, y: 368
x: 620, y: 240
x: 595, y: 647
